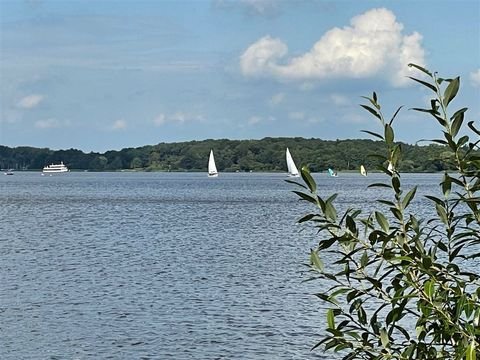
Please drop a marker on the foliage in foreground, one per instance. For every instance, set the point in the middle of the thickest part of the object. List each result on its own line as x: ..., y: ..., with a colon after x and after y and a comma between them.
x: 400, y: 286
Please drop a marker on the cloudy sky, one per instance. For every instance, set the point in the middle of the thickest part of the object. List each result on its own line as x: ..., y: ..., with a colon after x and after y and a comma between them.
x: 101, y: 75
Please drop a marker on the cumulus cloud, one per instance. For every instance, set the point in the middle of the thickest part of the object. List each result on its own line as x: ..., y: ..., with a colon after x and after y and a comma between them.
x: 475, y: 78
x: 178, y: 117
x: 30, y: 101
x: 373, y: 45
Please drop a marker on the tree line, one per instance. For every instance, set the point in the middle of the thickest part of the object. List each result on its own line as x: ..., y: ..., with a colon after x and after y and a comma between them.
x: 267, y: 154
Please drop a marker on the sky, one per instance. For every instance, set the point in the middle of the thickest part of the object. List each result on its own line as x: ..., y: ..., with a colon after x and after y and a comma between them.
x: 106, y: 75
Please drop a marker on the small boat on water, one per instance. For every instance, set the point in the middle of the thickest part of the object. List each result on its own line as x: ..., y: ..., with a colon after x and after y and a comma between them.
x: 292, y: 168
x: 212, y: 168
x: 363, y: 171
x: 55, y: 168
x: 332, y: 173
x: 8, y: 172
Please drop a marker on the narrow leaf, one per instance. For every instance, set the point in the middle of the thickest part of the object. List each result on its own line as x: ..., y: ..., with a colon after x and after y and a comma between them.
x: 331, y: 319
x: 424, y: 83
x: 373, y: 134
x: 395, y: 115
x: 315, y: 261
x: 473, y: 128
x: 408, y: 198
x: 471, y: 350
x: 456, y: 124
x: 371, y: 111
x: 384, y: 338
x: 389, y: 136
x: 451, y: 90
x: 382, y: 221
x: 312, y: 185
x: 420, y: 68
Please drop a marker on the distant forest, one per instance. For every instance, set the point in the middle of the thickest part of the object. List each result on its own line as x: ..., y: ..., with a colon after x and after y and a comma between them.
x: 267, y: 154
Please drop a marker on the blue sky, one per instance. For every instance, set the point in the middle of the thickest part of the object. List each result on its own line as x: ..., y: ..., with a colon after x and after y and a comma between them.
x: 102, y: 75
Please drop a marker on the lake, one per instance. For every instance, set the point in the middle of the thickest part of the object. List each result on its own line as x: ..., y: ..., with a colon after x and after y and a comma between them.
x: 163, y: 265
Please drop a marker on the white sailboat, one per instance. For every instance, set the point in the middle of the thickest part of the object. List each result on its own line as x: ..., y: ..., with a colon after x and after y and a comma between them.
x: 292, y: 169
x: 363, y: 171
x: 332, y: 173
x: 212, y: 168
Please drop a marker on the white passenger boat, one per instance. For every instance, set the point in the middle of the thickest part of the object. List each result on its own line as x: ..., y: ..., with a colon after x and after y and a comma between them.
x: 55, y: 168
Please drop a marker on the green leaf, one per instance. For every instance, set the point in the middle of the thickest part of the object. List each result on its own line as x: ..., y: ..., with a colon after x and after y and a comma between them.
x: 442, y: 213
x: 312, y: 185
x: 305, y: 218
x: 424, y: 83
x: 473, y: 128
x: 408, y: 198
x: 420, y: 68
x: 306, y: 197
x: 382, y: 221
x: 396, y: 184
x: 471, y: 350
x: 429, y: 288
x: 380, y: 185
x: 451, y: 91
x: 315, y: 261
x: 373, y: 134
x: 330, y: 211
x: 296, y: 183
x: 384, y: 338
x: 394, y: 115
x: 372, y: 111
x: 364, y: 259
x: 457, y: 122
x: 446, y: 185
x: 350, y: 223
x: 435, y: 200
x: 330, y: 319
x: 389, y: 136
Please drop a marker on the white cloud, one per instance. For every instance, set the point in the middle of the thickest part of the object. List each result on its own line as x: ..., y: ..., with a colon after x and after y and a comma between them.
x: 178, y: 117
x: 251, y: 7
x: 338, y: 99
x: 475, y: 78
x: 48, y: 124
x: 296, y: 115
x: 373, y: 45
x: 276, y: 99
x: 256, y: 119
x: 119, y: 125
x: 30, y: 101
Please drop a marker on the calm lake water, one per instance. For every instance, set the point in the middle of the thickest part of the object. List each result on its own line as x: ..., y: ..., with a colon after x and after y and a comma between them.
x: 162, y: 265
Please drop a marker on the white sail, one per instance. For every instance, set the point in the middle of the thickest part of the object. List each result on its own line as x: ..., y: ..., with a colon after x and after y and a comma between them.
x: 331, y: 172
x: 363, y: 171
x: 292, y: 169
x: 212, y: 168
